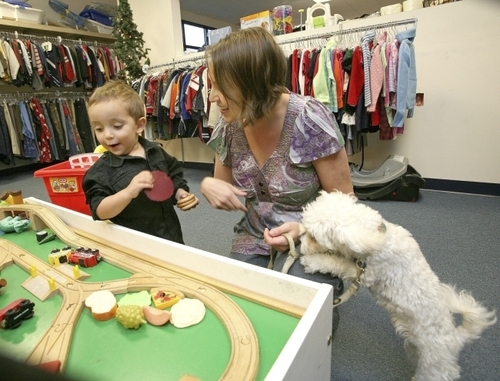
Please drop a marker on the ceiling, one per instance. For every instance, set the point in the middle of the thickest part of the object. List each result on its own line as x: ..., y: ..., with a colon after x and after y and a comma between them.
x: 230, y: 11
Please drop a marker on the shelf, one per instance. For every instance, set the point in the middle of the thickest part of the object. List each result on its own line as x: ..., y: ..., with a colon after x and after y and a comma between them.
x: 53, y: 31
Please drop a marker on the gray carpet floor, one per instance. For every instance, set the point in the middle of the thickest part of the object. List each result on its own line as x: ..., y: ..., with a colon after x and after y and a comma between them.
x: 458, y: 233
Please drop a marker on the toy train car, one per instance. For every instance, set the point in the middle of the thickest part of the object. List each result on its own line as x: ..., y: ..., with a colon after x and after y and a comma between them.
x: 85, y: 257
x: 80, y: 256
x: 17, y: 311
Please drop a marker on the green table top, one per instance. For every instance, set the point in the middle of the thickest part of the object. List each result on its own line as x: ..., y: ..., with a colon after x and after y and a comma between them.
x: 105, y: 350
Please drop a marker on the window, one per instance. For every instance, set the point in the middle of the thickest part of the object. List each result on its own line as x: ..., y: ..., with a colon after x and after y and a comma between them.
x: 194, y: 36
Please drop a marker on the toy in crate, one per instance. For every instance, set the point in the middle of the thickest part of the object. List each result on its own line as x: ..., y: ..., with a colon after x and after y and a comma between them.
x: 68, y: 17
x: 97, y: 16
x: 63, y: 181
x: 107, y: 9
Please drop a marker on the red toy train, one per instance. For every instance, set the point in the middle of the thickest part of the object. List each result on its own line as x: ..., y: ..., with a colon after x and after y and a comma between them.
x: 17, y: 311
x: 79, y: 256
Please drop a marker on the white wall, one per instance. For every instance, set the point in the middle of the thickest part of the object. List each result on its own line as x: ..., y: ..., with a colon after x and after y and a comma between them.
x: 454, y: 136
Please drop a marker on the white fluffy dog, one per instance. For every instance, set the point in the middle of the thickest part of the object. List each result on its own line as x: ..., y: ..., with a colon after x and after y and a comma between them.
x: 338, y: 232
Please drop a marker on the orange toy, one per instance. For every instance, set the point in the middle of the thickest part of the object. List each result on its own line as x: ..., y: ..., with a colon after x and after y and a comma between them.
x: 163, y: 299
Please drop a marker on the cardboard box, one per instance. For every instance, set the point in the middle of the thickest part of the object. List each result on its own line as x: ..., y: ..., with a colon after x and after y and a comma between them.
x: 263, y: 19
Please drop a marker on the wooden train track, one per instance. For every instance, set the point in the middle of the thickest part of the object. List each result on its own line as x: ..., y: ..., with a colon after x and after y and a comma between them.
x: 148, y: 273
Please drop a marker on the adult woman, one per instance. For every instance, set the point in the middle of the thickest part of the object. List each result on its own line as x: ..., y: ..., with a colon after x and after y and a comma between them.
x: 275, y: 148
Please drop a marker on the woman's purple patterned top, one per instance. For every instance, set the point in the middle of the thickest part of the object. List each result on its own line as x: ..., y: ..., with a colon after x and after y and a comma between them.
x: 278, y: 191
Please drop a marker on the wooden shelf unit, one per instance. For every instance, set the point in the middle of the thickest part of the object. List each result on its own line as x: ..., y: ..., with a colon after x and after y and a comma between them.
x: 41, y: 30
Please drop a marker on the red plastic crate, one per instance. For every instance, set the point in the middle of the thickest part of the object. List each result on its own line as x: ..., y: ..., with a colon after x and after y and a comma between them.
x: 63, y: 182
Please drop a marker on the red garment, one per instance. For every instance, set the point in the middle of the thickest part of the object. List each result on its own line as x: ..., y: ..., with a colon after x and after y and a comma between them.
x: 68, y: 73
x: 44, y: 151
x: 295, y: 71
x: 339, y: 78
x: 357, y: 77
x: 306, y: 62
x: 151, y: 95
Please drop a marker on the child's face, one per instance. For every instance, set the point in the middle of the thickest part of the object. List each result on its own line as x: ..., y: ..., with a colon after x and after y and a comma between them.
x: 115, y: 129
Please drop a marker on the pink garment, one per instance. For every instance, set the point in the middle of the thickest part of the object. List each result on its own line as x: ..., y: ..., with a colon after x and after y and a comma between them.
x: 376, y: 73
x: 387, y: 98
x: 393, y: 66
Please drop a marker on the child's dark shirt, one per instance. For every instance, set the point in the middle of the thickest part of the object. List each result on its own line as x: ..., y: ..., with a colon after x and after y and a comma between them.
x: 111, y: 174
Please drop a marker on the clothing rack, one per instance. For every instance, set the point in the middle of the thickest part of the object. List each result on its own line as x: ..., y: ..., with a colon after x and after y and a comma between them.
x: 14, y: 96
x: 201, y: 56
x: 350, y: 31
x: 191, y: 59
x: 57, y: 39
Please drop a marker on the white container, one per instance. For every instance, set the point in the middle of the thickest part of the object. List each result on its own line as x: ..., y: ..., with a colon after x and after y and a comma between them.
x: 410, y: 5
x: 390, y: 9
x: 94, y: 26
x: 328, y: 19
x: 30, y: 15
x: 8, y: 11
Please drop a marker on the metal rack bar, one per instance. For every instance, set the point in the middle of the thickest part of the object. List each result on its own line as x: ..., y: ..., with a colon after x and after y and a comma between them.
x: 350, y: 30
x: 57, y: 39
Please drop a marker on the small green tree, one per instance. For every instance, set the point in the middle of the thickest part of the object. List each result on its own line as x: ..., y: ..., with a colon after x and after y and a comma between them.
x: 129, y: 45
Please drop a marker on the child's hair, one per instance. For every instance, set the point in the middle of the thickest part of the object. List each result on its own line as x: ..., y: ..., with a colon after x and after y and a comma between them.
x: 253, y: 66
x: 117, y: 89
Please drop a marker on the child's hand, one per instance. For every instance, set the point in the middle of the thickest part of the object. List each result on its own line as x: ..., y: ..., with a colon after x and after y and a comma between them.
x: 185, y: 200
x: 181, y: 193
x: 143, y: 180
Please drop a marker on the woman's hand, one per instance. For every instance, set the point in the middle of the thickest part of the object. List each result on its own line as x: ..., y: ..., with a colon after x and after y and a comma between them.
x: 222, y: 195
x: 274, y: 237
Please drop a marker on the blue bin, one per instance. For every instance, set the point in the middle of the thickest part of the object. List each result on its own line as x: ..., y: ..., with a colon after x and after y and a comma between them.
x: 96, y: 16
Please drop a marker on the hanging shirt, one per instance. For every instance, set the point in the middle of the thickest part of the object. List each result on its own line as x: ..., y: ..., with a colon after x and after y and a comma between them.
x: 407, y: 77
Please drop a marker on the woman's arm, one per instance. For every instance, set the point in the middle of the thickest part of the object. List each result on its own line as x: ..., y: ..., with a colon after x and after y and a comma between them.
x: 334, y: 172
x: 220, y: 192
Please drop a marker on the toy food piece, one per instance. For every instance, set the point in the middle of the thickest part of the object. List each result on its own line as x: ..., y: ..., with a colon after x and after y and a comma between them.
x: 3, y: 283
x: 163, y: 187
x: 187, y: 312
x: 102, y: 304
x: 135, y: 299
x: 155, y: 316
x: 44, y: 236
x: 50, y: 366
x: 163, y: 299
x: 130, y: 316
x: 188, y: 202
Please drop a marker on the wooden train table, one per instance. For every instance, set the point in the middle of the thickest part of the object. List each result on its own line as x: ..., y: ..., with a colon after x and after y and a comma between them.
x: 258, y: 325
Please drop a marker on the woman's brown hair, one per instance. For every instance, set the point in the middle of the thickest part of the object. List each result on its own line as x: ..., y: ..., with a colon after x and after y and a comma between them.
x: 250, y: 64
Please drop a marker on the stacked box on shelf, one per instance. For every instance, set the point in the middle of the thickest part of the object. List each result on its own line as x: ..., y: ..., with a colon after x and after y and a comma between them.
x: 30, y: 15
x: 21, y: 13
x: 8, y: 11
x: 94, y: 26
